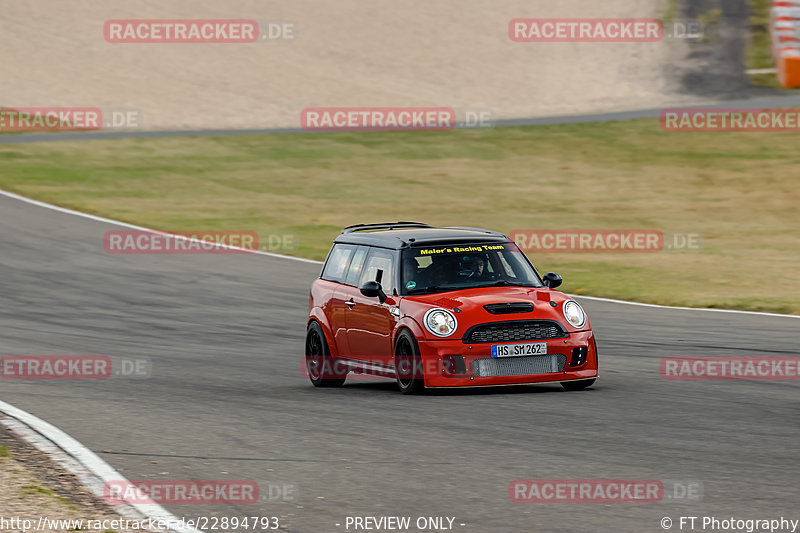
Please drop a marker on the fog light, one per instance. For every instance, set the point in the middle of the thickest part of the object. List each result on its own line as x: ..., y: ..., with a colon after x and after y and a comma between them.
x: 453, y: 365
x: 579, y: 356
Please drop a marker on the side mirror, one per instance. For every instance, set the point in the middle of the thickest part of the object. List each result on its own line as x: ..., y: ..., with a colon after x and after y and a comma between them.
x: 552, y: 280
x: 373, y: 289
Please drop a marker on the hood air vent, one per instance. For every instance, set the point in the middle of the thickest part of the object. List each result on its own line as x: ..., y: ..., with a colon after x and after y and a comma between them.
x: 509, y: 308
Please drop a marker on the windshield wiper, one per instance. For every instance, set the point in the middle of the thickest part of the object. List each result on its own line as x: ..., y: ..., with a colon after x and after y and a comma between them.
x: 498, y: 283
x: 503, y: 283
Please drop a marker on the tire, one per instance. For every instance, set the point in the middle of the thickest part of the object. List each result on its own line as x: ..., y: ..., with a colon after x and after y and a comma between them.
x: 323, y: 370
x: 408, y: 364
x: 578, y: 384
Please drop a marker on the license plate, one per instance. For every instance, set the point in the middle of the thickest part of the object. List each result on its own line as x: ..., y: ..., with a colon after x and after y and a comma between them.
x: 518, y: 350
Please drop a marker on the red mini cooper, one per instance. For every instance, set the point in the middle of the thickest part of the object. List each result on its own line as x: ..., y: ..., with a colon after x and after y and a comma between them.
x: 442, y: 307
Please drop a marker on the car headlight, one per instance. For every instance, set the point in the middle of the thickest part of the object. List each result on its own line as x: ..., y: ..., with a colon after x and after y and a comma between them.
x: 440, y: 322
x: 574, y: 313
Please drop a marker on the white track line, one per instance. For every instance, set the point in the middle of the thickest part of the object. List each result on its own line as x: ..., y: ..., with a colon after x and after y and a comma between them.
x: 259, y: 252
x: 754, y: 71
x: 90, y: 470
x: 140, y: 228
x: 761, y: 313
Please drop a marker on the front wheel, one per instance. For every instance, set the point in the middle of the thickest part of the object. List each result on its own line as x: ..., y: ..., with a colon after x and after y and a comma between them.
x: 322, y: 369
x: 408, y: 364
x: 579, y: 384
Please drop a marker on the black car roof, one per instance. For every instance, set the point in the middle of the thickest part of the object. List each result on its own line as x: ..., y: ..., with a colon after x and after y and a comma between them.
x: 398, y: 235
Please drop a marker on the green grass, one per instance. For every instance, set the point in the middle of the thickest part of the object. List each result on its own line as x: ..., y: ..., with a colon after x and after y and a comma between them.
x: 36, y: 489
x: 737, y: 189
x: 4, y: 451
x: 669, y: 12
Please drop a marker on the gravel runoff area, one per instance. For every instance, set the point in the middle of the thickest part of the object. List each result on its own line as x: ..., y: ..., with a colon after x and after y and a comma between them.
x: 349, y: 53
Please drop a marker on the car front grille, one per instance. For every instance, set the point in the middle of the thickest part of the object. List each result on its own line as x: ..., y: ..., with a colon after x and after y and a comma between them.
x: 516, y: 330
x: 519, y: 366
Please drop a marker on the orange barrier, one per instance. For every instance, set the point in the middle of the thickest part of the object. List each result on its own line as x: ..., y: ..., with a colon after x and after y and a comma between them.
x: 785, y: 30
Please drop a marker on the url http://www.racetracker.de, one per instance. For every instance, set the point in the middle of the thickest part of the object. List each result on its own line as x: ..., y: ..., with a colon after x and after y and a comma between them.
x: 206, y: 523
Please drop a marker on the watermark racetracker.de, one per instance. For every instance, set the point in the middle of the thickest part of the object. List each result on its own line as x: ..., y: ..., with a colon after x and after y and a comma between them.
x: 606, y: 241
x: 72, y: 367
x: 602, y: 30
x: 769, y: 368
x: 196, y: 242
x: 377, y: 118
x: 604, y: 491
x: 198, y: 31
x: 181, y: 492
x: 369, y: 367
x: 394, y: 118
x: 199, y: 492
x: 19, y: 119
x: 730, y: 120
x: 586, y: 30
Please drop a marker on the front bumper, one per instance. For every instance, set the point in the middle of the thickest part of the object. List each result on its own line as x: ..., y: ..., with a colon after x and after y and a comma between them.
x: 439, y: 374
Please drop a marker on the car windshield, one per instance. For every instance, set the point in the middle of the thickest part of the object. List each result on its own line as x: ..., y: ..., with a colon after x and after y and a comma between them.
x: 465, y: 266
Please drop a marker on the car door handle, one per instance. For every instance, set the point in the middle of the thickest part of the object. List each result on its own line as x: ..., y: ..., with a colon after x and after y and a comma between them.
x: 350, y: 304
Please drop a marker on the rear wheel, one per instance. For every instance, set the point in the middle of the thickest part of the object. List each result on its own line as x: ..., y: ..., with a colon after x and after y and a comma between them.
x: 408, y: 364
x: 323, y: 370
x: 579, y: 384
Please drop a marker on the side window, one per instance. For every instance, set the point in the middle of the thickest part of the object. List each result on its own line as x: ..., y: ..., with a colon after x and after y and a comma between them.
x: 380, y: 268
x: 337, y: 262
x: 354, y: 272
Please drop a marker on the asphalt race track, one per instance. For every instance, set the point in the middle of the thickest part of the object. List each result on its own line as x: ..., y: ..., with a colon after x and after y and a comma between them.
x: 227, y: 400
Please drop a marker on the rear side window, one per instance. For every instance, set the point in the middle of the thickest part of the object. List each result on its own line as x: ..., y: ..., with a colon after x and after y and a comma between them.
x: 380, y: 268
x: 354, y: 272
x: 337, y: 262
